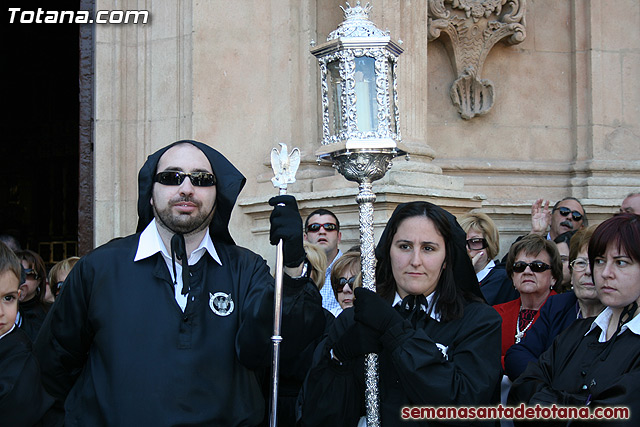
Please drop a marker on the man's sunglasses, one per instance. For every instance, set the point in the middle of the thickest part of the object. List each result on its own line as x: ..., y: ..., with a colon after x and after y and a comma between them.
x: 477, y: 243
x: 535, y: 266
x: 315, y: 227
x: 344, y: 282
x: 198, y: 179
x: 564, y: 211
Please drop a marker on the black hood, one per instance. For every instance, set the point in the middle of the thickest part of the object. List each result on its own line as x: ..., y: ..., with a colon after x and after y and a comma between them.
x: 229, y: 184
x: 463, y: 272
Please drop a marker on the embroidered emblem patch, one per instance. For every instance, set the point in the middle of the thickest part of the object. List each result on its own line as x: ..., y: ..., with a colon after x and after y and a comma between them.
x: 221, y: 303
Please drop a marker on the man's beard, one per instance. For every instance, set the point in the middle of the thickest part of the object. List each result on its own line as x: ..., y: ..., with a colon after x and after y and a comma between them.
x: 183, y: 223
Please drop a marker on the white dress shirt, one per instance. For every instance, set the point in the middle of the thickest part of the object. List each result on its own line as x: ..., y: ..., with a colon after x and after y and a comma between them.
x: 151, y: 243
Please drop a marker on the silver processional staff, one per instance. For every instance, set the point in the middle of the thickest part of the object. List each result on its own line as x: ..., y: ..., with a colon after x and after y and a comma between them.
x: 284, y: 165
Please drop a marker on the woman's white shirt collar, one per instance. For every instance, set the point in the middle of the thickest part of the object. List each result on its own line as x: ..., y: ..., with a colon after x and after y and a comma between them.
x: 602, y: 321
x: 487, y: 268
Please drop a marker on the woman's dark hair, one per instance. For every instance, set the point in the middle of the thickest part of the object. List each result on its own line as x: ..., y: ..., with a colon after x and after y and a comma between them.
x: 450, y: 296
x: 36, y: 262
x: 622, y: 230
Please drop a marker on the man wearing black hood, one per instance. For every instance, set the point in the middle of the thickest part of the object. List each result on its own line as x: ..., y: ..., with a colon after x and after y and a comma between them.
x: 138, y: 336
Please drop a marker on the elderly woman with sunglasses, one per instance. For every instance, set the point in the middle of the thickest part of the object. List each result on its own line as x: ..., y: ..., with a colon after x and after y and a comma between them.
x: 561, y: 310
x: 595, y: 361
x: 483, y: 245
x: 437, y: 340
x: 33, y: 306
x: 345, y: 278
x: 534, y: 265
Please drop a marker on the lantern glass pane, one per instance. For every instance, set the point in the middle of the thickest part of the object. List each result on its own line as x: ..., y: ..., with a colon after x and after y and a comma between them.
x: 365, y: 86
x: 391, y: 95
x: 336, y: 90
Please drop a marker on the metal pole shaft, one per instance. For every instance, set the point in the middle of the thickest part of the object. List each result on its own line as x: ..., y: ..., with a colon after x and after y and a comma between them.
x: 365, y: 199
x: 276, y: 338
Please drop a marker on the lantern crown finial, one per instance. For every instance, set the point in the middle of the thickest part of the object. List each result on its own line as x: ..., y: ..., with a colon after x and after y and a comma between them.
x: 356, y: 23
x: 357, y: 12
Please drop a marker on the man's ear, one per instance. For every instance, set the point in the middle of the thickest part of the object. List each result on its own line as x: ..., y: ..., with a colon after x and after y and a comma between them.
x: 339, y: 236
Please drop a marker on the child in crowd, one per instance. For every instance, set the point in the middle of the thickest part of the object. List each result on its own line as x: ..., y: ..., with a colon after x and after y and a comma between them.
x: 23, y: 401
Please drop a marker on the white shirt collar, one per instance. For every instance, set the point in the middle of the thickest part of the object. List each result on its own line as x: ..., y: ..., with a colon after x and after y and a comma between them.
x: 602, y: 321
x: 430, y: 309
x: 487, y: 268
x: 151, y: 243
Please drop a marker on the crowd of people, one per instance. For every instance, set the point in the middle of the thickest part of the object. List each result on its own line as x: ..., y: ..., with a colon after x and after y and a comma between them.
x: 173, y: 325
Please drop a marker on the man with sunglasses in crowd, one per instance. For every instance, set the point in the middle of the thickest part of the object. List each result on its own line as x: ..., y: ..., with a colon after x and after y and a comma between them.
x: 566, y: 215
x: 173, y: 325
x: 323, y: 229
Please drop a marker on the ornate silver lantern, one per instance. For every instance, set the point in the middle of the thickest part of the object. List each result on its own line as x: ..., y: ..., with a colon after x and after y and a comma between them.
x: 360, y: 129
x: 358, y: 83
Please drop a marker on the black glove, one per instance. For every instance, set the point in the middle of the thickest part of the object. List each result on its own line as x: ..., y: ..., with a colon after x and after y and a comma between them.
x: 356, y: 341
x: 373, y: 311
x: 286, y: 225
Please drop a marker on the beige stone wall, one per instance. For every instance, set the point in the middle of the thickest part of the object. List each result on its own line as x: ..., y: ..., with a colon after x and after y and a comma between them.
x: 567, y: 115
x: 239, y: 76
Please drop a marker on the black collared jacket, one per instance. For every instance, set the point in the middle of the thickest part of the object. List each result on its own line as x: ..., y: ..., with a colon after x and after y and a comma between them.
x: 119, y: 351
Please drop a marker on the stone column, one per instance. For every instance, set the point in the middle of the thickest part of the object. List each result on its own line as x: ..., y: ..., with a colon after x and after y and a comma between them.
x: 144, y: 97
x: 607, y: 95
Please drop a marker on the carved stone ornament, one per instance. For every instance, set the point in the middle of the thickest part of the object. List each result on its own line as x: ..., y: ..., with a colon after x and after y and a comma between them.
x: 473, y: 27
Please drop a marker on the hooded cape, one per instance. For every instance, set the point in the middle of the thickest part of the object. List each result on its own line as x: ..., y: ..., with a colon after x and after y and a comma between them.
x: 229, y: 184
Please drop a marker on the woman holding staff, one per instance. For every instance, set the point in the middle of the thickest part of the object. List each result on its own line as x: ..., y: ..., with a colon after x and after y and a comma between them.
x: 437, y: 339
